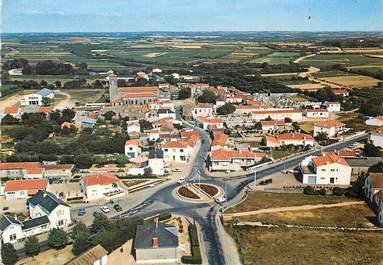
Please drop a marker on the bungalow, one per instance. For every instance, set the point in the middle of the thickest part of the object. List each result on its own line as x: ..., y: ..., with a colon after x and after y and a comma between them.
x: 277, y: 114
x: 22, y: 189
x: 44, y: 203
x: 28, y: 170
x: 100, y: 186
x: 208, y: 122
x: 341, y: 92
x: 132, y: 148
x: 14, y: 111
x: 177, y: 151
x: 289, y: 139
x: 233, y: 160
x: 329, y: 127
x: 203, y: 109
x: 133, y: 127
x: 377, y: 121
x: 376, y: 137
x: 326, y: 169
x: 316, y: 113
x: 332, y: 106
x: 273, y: 125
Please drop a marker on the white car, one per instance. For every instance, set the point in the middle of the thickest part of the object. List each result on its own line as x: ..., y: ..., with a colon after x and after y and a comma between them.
x: 180, y: 181
x: 105, y: 209
x: 177, y: 169
x: 221, y: 199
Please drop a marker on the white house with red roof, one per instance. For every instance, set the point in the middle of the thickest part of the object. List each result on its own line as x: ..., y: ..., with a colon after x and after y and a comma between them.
x: 329, y: 127
x: 14, y: 111
x: 332, y: 106
x: 376, y: 137
x: 376, y: 121
x: 133, y: 127
x: 296, y: 139
x: 132, y: 148
x: 277, y: 114
x: 23, y: 188
x: 203, y: 109
x: 317, y: 113
x: 341, y: 92
x: 177, y: 151
x: 273, y: 125
x: 373, y: 184
x: 327, y: 169
x: 233, y: 160
x: 103, y: 186
x: 209, y: 122
x: 26, y: 170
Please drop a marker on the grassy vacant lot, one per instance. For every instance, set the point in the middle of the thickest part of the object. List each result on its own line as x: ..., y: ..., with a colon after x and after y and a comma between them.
x: 130, y: 183
x: 278, y: 246
x: 307, y: 126
x: 276, y: 58
x: 84, y: 95
x: 356, y: 81
x: 281, y: 153
x: 359, y: 215
x: 262, y: 200
x: 343, y: 59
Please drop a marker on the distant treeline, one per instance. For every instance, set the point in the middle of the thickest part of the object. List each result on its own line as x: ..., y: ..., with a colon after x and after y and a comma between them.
x: 354, y: 42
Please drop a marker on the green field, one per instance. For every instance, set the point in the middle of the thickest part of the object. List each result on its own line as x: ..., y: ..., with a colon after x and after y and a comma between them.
x: 333, y: 73
x: 276, y: 58
x: 342, y: 59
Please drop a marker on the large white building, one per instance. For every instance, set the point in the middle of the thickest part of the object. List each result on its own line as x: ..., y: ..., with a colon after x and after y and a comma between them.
x: 132, y: 148
x: 209, y: 122
x: 156, y: 161
x: 23, y: 188
x: 25, y: 170
x: 377, y: 121
x: 376, y: 137
x: 37, y: 98
x: 317, y: 113
x: 203, y: 109
x: 329, y: 127
x: 277, y: 114
x: 177, y: 151
x: 289, y: 139
x: 326, y: 169
x: 233, y: 160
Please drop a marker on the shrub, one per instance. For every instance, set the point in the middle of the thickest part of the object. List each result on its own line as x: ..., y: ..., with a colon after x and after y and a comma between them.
x: 164, y: 216
x: 322, y: 192
x: 309, y: 190
x: 32, y: 246
x: 195, y: 258
x: 8, y: 254
x: 338, y: 191
x: 57, y: 238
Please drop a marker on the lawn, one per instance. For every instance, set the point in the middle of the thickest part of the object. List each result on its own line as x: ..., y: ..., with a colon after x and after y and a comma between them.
x: 262, y: 200
x: 84, y: 95
x: 359, y: 215
x: 278, y: 246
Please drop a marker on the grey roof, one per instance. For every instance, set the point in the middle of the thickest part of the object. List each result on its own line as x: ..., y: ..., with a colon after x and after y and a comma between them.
x: 363, y: 161
x: 7, y: 220
x: 42, y: 220
x: 166, y: 235
x: 89, y: 120
x: 164, y: 111
x: 44, y: 92
x: 89, y: 257
x: 156, y: 153
x: 46, y: 200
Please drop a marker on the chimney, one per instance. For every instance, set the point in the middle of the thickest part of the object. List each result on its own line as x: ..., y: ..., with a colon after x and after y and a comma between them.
x: 155, y: 242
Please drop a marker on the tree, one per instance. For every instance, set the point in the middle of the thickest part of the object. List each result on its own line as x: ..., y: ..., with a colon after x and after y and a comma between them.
x: 184, y: 93
x: 109, y: 115
x: 371, y: 150
x: 57, y: 238
x: 58, y: 84
x: 68, y: 114
x: 8, y: 254
x: 226, y: 109
x: 100, y: 222
x: 32, y: 246
x: 43, y: 83
x: 83, y: 161
x: 9, y: 120
x: 207, y: 97
x: 145, y: 125
x: 46, y: 101
x: 321, y: 136
x: 80, y: 236
x: 376, y: 168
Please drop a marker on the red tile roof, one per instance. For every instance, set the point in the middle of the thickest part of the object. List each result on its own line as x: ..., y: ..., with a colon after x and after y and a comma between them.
x: 11, y: 110
x: 329, y: 123
x: 104, y: 179
x: 225, y: 155
x: 329, y: 158
x: 32, y: 185
x: 132, y: 142
x: 66, y: 124
x: 58, y: 166
x: 175, y: 144
x: 19, y: 165
x: 272, y: 111
x: 137, y: 89
x: 294, y: 136
x: 378, y: 130
x: 220, y: 139
x: 273, y: 122
x: 376, y: 180
x: 209, y: 120
x: 45, y: 109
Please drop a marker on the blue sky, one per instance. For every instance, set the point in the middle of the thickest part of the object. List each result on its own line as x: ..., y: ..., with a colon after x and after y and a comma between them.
x: 191, y: 15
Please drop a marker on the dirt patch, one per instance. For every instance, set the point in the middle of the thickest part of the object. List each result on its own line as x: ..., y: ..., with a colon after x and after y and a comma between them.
x: 357, y: 81
x: 309, y: 86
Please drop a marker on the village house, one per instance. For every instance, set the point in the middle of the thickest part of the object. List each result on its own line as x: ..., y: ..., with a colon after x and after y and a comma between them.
x: 22, y: 170
x: 132, y: 148
x: 44, y: 203
x: 156, y: 162
x: 162, y: 104
x: 198, y: 88
x: 156, y: 243
x: 209, y: 122
x: 373, y: 184
x: 203, y: 109
x: 279, y: 114
x: 37, y: 98
x: 330, y: 127
x: 220, y: 141
x: 317, y: 113
x: 375, y: 137
x: 133, y: 127
x: 166, y: 113
x: 297, y: 139
x: 23, y: 188
x: 233, y: 160
x: 377, y: 121
x: 177, y: 151
x: 273, y: 125
x: 248, y: 109
x: 58, y: 170
x: 13, y: 111
x: 332, y: 106
x: 96, y: 255
x: 327, y: 169
x: 103, y: 186
x: 341, y: 92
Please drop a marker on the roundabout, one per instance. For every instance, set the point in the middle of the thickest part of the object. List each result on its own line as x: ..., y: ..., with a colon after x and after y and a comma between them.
x: 198, y: 193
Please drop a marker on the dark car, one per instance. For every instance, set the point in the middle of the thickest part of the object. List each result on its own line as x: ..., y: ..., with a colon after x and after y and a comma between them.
x: 117, y: 207
x: 81, y: 212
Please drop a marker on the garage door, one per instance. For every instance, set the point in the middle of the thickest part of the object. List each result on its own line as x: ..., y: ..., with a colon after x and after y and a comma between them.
x: 312, y: 179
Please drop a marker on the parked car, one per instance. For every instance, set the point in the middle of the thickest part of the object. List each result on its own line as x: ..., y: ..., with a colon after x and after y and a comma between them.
x: 181, y: 180
x: 221, y: 199
x: 81, y: 212
x: 117, y: 207
x: 177, y: 169
x: 105, y: 209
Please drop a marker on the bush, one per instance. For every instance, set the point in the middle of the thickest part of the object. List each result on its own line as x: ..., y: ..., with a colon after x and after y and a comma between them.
x: 193, y: 233
x: 164, y: 216
x: 57, y: 238
x: 8, y: 254
x: 309, y: 190
x: 32, y: 246
x: 338, y: 191
x: 195, y: 258
x: 322, y: 192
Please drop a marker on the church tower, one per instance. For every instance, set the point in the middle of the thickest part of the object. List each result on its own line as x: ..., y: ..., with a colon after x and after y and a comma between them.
x: 113, y: 91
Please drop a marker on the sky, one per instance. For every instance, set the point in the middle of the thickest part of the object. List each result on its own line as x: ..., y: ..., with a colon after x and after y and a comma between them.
x: 190, y: 15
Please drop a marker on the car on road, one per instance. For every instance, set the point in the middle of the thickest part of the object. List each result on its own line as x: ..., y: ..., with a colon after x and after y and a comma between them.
x: 181, y: 180
x: 117, y: 207
x: 220, y: 200
x: 177, y: 169
x: 105, y: 209
x: 81, y: 212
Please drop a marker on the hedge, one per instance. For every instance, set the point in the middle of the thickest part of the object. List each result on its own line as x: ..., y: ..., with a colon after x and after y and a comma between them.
x: 193, y: 233
x: 195, y: 258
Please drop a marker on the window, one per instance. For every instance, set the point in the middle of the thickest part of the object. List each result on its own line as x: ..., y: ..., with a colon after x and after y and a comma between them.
x: 12, y: 237
x: 60, y: 222
x: 181, y: 150
x: 166, y: 150
x: 332, y: 170
x: 323, y: 170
